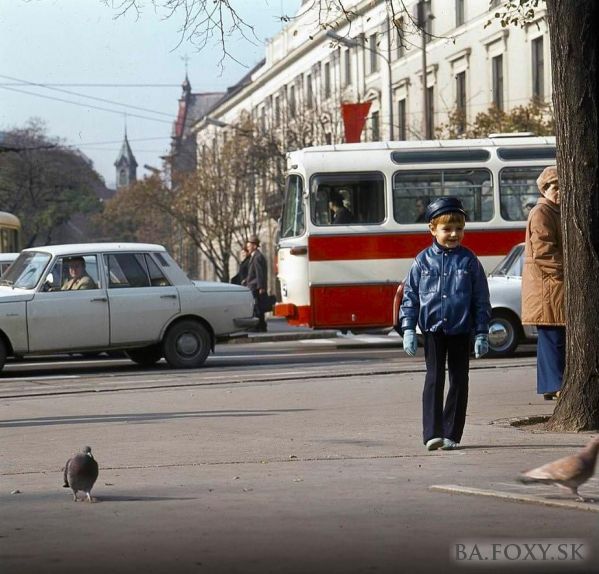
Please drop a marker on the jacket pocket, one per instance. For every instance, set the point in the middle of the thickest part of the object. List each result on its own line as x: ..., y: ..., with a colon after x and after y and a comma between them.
x: 462, y: 281
x: 429, y: 281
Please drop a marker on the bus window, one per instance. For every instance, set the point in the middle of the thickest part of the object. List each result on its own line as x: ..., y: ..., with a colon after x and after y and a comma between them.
x: 472, y: 186
x: 518, y: 191
x: 347, y: 198
x: 293, y: 221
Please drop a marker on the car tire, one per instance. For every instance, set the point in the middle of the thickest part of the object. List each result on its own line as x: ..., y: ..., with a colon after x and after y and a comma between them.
x: 186, y: 345
x: 504, y: 334
x: 146, y: 356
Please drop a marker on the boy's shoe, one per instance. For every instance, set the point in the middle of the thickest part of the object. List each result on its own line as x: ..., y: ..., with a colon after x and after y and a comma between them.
x: 434, y: 443
x: 449, y: 444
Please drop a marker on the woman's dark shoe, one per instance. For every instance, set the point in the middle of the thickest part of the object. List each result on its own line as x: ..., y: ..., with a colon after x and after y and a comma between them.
x: 550, y: 396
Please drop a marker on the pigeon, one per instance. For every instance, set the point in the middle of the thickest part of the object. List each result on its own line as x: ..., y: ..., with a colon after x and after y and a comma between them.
x: 568, y: 472
x: 80, y: 473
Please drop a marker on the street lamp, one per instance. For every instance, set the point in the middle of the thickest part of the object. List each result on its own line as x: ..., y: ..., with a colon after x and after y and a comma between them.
x: 352, y: 43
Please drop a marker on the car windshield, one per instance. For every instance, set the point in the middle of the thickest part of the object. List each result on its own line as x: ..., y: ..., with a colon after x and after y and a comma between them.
x: 26, y: 271
x: 511, y: 264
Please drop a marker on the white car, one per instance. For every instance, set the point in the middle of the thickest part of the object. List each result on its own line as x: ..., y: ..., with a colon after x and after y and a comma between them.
x: 505, y: 285
x: 120, y: 296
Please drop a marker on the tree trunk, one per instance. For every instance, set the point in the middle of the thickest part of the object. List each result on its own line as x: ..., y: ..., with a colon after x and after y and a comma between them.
x: 573, y: 33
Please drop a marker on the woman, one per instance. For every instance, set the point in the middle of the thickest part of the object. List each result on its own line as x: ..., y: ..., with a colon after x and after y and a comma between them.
x: 543, y: 284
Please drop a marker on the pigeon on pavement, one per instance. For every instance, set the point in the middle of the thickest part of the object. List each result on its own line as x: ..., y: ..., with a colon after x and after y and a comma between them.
x: 569, y: 472
x: 80, y: 473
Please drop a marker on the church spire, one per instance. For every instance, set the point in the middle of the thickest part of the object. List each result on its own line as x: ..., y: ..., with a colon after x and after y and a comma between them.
x: 126, y: 165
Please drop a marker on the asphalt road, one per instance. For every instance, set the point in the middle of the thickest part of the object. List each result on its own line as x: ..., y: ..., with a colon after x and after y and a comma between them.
x: 280, y: 457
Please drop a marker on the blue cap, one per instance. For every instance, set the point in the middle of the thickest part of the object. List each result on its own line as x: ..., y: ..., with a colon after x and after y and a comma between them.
x: 444, y: 205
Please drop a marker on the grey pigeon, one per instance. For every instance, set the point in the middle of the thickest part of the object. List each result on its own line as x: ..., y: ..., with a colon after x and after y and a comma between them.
x: 568, y: 472
x: 80, y: 473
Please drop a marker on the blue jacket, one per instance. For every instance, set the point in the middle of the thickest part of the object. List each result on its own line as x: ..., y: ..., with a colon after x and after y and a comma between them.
x: 446, y: 290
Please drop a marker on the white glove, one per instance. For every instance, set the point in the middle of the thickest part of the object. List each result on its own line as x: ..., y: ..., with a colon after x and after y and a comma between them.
x: 481, y: 345
x: 409, y: 342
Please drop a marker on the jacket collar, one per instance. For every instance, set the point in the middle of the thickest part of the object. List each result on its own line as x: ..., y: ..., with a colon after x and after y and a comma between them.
x: 438, y: 249
x: 554, y: 206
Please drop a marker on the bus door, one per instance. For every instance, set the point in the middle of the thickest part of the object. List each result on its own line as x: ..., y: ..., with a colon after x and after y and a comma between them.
x: 350, y: 266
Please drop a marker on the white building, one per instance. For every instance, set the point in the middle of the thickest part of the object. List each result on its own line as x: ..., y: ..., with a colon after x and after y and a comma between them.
x: 379, y: 57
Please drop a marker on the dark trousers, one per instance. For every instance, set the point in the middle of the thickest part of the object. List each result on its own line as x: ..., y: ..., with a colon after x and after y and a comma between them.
x: 259, y: 312
x: 551, y: 358
x: 448, y: 421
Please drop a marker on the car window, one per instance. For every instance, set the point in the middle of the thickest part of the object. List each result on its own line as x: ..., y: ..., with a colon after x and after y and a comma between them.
x: 26, y: 271
x: 126, y: 270
x: 511, y: 264
x: 157, y: 278
x: 73, y: 273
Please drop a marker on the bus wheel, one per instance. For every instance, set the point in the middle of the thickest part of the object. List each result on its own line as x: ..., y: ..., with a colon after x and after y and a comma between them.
x: 504, y: 333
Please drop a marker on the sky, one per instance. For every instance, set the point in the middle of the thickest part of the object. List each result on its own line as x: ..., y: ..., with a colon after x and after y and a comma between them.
x: 80, y: 47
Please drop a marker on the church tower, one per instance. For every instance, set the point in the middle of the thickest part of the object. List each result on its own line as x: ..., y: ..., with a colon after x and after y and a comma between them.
x: 126, y: 166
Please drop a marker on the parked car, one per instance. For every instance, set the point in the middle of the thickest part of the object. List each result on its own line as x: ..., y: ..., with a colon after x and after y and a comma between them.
x: 136, y: 299
x: 506, y: 331
x: 6, y: 260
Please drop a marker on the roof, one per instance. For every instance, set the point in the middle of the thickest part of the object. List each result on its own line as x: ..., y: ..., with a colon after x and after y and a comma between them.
x: 193, y: 108
x: 88, y: 248
x: 126, y: 154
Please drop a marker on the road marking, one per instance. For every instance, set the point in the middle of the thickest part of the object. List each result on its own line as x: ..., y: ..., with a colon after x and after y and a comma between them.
x: 516, y: 497
x: 40, y: 378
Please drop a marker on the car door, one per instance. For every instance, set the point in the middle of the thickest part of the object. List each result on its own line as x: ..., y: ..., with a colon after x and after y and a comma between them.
x: 141, y: 298
x: 66, y: 320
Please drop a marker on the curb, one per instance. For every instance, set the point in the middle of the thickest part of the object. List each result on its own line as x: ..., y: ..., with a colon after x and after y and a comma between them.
x: 277, y: 337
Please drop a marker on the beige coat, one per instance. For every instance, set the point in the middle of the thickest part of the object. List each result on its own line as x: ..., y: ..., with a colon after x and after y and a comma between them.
x: 543, y: 272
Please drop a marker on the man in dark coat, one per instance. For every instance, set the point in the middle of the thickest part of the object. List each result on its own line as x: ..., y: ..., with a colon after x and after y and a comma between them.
x: 257, y: 278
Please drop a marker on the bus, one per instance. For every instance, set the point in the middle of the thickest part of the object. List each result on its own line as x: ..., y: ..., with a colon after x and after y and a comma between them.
x: 345, y: 275
x: 10, y: 233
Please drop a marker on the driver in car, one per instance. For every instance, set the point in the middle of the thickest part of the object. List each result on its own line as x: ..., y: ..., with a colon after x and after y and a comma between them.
x: 78, y: 277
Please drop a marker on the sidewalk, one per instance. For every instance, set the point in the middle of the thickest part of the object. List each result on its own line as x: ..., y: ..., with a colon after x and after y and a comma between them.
x: 302, y: 476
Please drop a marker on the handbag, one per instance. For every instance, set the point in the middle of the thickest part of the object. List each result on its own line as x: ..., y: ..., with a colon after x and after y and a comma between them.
x: 396, y: 305
x: 266, y: 302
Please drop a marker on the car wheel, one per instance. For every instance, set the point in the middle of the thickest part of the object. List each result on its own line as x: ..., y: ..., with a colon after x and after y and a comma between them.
x: 504, y: 333
x: 146, y: 356
x: 186, y: 345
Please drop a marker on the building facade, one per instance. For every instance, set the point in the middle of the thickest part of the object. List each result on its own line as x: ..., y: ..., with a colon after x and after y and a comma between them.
x: 466, y: 63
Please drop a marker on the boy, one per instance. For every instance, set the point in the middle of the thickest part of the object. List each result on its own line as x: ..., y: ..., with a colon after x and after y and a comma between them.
x: 447, y: 295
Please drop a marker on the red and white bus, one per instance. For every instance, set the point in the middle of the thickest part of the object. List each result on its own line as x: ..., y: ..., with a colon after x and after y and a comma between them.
x: 345, y: 276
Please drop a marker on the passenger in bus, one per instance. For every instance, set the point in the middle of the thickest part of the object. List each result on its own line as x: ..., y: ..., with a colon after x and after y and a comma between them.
x: 341, y: 215
x: 446, y: 294
x: 543, y: 284
x: 78, y: 277
x: 420, y: 210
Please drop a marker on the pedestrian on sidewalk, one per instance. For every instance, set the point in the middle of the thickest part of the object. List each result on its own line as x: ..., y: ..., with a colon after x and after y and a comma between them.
x: 244, y: 263
x: 446, y: 294
x: 257, y: 279
x: 543, y: 284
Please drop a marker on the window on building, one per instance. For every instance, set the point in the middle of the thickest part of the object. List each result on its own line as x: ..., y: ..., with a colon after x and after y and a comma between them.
x: 402, y: 130
x: 497, y: 70
x: 375, y: 126
x: 291, y: 102
x: 430, y: 116
x: 263, y: 118
x: 400, y: 50
x: 327, y: 80
x: 372, y: 50
x: 425, y: 14
x: 361, y: 196
x: 460, y: 101
x: 414, y: 188
x: 538, y: 69
x: 347, y: 67
x: 277, y: 110
x: 459, y: 13
x: 309, y: 92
